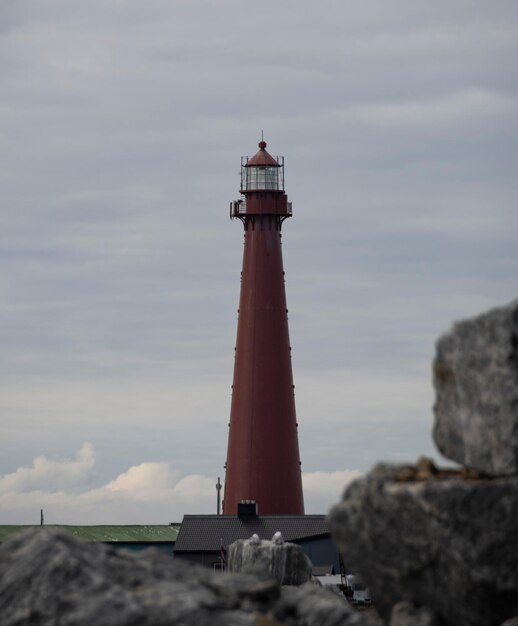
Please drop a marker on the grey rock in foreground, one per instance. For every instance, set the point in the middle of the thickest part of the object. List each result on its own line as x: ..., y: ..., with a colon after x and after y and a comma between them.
x: 49, y: 578
x: 476, y: 383
x: 284, y: 562
x: 406, y: 614
x: 448, y: 544
x: 306, y: 606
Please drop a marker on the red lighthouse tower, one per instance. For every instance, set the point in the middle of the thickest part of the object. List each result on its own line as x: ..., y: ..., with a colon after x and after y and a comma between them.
x: 263, y: 462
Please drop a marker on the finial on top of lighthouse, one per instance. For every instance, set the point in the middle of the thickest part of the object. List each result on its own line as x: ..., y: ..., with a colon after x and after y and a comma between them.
x: 262, y: 158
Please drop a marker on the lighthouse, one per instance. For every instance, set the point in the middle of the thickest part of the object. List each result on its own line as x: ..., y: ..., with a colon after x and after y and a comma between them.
x: 263, y: 461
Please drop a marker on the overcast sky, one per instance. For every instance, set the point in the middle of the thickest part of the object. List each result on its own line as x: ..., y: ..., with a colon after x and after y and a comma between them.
x: 122, y: 123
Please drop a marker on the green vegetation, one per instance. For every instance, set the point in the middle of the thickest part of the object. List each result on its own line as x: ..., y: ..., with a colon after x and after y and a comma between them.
x: 125, y: 534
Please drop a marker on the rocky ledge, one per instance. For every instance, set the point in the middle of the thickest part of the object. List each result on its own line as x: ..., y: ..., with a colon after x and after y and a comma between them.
x: 49, y: 578
x: 440, y: 547
x: 446, y: 541
x: 285, y: 562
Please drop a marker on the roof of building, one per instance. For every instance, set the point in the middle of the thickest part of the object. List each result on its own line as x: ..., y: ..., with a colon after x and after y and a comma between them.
x: 262, y: 157
x: 124, y: 534
x: 206, y: 533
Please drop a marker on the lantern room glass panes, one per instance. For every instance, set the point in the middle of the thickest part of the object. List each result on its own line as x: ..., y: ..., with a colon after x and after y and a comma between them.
x: 262, y: 177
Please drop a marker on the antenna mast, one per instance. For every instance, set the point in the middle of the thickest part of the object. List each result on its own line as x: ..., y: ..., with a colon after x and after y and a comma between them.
x: 218, y: 497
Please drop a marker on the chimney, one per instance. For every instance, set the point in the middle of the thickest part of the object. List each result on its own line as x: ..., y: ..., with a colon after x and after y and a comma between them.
x: 247, y: 508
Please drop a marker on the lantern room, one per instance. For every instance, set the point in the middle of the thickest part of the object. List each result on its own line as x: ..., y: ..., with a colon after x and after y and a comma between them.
x: 262, y: 185
x: 262, y: 172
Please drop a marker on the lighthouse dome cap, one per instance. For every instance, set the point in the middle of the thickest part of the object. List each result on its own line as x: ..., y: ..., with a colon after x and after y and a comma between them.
x: 262, y: 157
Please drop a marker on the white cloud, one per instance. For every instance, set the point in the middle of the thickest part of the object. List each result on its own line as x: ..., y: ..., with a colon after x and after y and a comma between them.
x: 145, y: 494
x: 140, y: 478
x: 46, y: 474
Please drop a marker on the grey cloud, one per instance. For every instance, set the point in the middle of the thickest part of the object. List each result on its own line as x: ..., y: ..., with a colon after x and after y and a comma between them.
x: 122, y: 124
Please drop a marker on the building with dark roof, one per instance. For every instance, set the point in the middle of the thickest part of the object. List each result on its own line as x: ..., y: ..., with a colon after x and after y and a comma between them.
x: 201, y: 537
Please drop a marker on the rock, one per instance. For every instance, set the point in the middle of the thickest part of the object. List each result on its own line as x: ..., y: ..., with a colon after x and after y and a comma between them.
x: 424, y: 469
x: 285, y: 562
x: 446, y: 543
x: 49, y: 578
x: 309, y: 605
x: 476, y: 383
x: 406, y: 614
x: 278, y: 538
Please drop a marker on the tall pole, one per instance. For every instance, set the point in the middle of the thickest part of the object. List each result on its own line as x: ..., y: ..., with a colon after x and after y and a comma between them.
x: 263, y: 462
x: 218, y: 496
